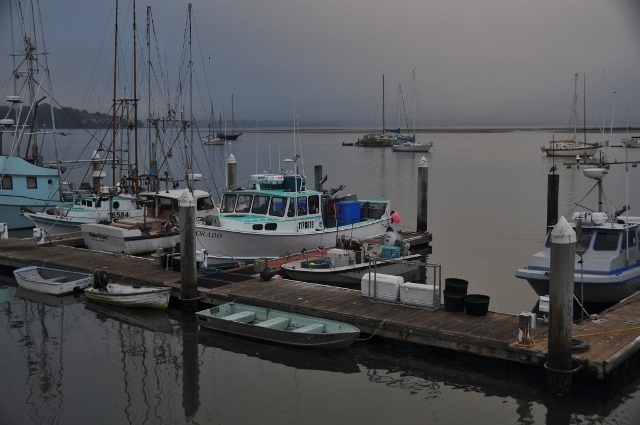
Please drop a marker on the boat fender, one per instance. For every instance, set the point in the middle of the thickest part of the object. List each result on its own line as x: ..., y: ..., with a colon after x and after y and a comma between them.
x: 389, y: 237
x: 100, y: 279
x: 395, y: 217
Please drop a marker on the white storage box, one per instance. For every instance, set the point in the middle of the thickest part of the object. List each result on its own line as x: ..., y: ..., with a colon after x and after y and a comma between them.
x: 384, y: 286
x: 544, y: 304
x: 338, y: 257
x: 417, y: 294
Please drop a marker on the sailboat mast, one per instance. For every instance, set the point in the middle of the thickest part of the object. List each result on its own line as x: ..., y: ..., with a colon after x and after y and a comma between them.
x: 233, y: 123
x: 135, y: 105
x: 575, y: 106
x: 382, y: 103
x: 190, y: 168
x: 113, y: 119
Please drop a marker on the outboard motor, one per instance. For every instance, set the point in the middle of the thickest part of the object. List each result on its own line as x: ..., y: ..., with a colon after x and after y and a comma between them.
x: 100, y: 279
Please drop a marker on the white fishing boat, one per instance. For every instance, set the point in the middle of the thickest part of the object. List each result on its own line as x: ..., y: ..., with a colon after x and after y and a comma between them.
x: 278, y: 326
x: 158, y: 228
x: 412, y: 147
x: 345, y: 265
x: 607, y: 261
x: 277, y: 215
x: 51, y: 281
x: 127, y: 295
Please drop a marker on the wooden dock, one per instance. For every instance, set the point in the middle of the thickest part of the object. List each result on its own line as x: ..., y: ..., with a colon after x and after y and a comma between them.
x: 613, y: 337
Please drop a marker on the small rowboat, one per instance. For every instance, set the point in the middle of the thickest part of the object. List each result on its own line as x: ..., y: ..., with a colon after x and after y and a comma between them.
x: 51, y: 281
x: 125, y: 295
x: 278, y: 326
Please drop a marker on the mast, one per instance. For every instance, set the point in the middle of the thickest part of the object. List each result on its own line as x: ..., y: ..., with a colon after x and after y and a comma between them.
x: 382, y: 103
x: 233, y: 124
x: 113, y: 119
x: 575, y: 106
x: 190, y: 167
x: 135, y: 106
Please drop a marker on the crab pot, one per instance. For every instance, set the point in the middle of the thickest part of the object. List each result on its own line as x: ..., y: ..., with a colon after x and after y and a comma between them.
x: 476, y: 305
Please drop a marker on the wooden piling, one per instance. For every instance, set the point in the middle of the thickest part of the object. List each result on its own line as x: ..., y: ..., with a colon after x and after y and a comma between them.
x: 423, y: 199
x: 317, y: 174
x: 231, y: 172
x: 188, y: 268
x: 561, y: 277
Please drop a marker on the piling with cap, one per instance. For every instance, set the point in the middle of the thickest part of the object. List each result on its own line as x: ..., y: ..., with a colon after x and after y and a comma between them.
x: 231, y: 172
x: 188, y: 267
x: 561, y: 279
x: 553, y: 184
x: 423, y: 199
x: 317, y: 172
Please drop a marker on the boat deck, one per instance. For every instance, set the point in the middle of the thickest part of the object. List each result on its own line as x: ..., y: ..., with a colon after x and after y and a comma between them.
x: 613, y: 338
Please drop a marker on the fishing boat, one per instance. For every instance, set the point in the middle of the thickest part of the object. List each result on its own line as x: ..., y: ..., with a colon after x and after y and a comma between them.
x: 51, y: 281
x: 277, y: 214
x: 278, y: 326
x: 571, y: 147
x: 345, y: 265
x: 157, y: 228
x: 25, y: 178
x: 412, y: 147
x: 607, y: 261
x: 126, y: 295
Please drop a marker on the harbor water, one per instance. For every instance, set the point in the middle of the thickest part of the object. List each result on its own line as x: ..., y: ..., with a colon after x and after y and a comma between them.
x: 64, y: 360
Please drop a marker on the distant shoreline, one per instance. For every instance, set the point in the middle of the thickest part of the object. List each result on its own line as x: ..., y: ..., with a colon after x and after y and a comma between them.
x: 444, y: 130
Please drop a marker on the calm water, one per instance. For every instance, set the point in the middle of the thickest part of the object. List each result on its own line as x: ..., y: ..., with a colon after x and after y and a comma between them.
x: 63, y: 360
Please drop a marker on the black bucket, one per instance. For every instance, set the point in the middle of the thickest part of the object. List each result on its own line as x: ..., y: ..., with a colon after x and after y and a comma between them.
x: 456, y: 286
x: 453, y: 301
x: 476, y: 305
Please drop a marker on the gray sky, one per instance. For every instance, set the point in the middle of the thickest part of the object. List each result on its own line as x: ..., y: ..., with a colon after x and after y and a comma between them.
x: 477, y: 63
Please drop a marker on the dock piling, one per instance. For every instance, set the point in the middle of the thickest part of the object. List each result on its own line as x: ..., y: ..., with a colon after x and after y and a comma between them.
x: 423, y: 198
x: 553, y: 184
x: 231, y: 172
x: 559, y: 362
x: 188, y: 268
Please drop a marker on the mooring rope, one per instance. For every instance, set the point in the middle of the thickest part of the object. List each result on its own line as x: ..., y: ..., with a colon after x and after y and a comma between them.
x: 373, y: 334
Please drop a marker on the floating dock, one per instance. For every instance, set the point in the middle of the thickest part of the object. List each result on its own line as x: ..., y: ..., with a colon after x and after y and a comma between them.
x: 613, y: 337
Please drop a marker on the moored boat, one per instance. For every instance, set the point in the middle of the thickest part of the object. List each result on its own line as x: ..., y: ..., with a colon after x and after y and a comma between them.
x: 126, y: 295
x: 412, y: 147
x: 51, y: 281
x: 278, y: 326
x: 631, y: 142
x: 277, y: 215
x: 607, y: 261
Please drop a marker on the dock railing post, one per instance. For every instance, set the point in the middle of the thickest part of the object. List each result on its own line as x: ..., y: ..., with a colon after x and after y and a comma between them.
x: 188, y: 267
x: 561, y: 278
x: 231, y: 172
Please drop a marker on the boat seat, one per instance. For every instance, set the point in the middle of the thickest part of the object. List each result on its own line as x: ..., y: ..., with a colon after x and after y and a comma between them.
x: 314, y: 328
x: 61, y: 279
x: 242, y: 317
x: 280, y: 323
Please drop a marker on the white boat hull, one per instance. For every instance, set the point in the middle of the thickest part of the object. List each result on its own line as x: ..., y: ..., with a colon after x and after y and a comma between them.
x: 229, y: 247
x: 51, y: 281
x: 130, y: 296
x: 102, y: 237
x: 412, y: 147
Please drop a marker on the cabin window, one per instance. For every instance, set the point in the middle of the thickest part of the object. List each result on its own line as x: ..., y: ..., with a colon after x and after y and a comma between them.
x: 32, y: 183
x: 585, y: 238
x: 89, y: 203
x: 302, y: 206
x: 228, y: 203
x: 277, y: 206
x: 606, y: 241
x: 116, y: 204
x: 314, y: 204
x: 257, y: 227
x: 631, y: 239
x: 291, y: 209
x: 260, y: 204
x: 203, y: 204
x: 244, y: 204
x: 7, y: 182
x: 76, y: 201
x: 271, y: 226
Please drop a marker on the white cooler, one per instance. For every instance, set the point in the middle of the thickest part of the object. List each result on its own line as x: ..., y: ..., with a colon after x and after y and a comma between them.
x: 387, y: 287
x: 417, y: 294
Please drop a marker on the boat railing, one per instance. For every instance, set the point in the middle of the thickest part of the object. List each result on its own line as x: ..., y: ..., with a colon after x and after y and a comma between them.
x: 425, y: 292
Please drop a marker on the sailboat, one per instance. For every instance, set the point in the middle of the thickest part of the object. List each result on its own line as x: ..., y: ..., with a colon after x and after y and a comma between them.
x: 382, y: 139
x: 212, y: 138
x: 230, y: 135
x: 571, y: 147
x: 25, y: 179
x: 408, y: 143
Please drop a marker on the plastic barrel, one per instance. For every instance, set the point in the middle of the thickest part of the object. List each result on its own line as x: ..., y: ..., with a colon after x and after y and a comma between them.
x: 456, y: 286
x: 453, y: 301
x: 476, y: 305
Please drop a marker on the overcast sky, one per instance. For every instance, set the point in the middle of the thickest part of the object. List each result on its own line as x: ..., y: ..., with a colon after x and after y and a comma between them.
x: 476, y: 63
